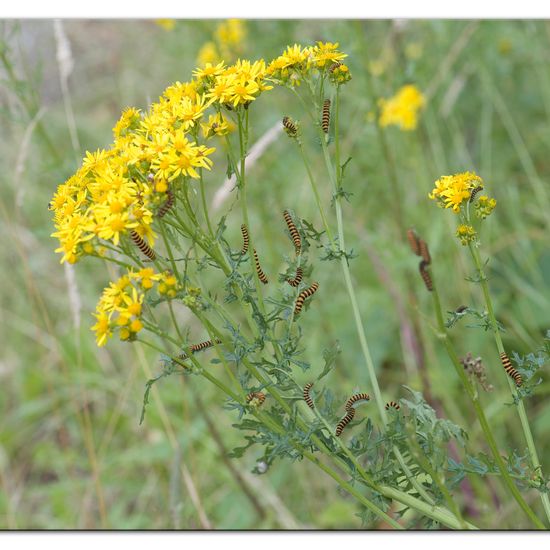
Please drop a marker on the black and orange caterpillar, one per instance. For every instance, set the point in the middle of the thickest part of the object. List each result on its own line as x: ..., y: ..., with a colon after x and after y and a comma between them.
x: 168, y: 203
x: 511, y: 371
x: 200, y: 347
x: 413, y: 241
x: 297, y: 278
x: 307, y: 397
x: 290, y: 126
x: 261, y: 275
x: 296, y: 239
x: 256, y: 395
x: 303, y: 295
x: 474, y: 193
x: 355, y: 398
x: 392, y: 405
x: 425, y: 274
x: 246, y: 239
x: 424, y: 252
x: 142, y: 245
x: 325, y: 119
x: 345, y: 421
x: 334, y: 66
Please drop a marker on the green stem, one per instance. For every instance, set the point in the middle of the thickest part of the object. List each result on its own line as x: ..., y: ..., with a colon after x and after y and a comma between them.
x: 443, y: 335
x: 500, y: 347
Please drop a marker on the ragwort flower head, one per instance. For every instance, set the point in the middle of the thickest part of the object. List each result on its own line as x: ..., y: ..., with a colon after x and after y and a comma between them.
x: 402, y: 109
x: 454, y: 191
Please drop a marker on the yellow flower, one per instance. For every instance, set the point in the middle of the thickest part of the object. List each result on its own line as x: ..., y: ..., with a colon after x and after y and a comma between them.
x: 453, y: 191
x: 402, y: 109
x: 208, y: 55
x: 466, y: 234
x: 484, y: 206
x: 166, y: 24
x: 102, y: 328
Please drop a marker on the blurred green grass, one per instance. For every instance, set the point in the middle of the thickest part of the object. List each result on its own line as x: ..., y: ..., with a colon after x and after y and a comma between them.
x: 72, y: 454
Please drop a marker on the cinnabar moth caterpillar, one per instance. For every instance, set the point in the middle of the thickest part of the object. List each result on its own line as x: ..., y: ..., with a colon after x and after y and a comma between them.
x: 474, y: 193
x: 200, y: 347
x: 261, y: 275
x: 246, y: 239
x: 510, y: 371
x: 424, y: 252
x: 167, y: 204
x: 355, y: 398
x: 256, y: 395
x: 303, y: 295
x: 296, y: 239
x: 142, y: 245
x: 392, y: 405
x: 290, y: 126
x: 325, y: 119
x: 345, y: 421
x: 297, y: 278
x: 426, y: 277
x: 307, y: 397
x: 334, y: 66
x: 413, y: 241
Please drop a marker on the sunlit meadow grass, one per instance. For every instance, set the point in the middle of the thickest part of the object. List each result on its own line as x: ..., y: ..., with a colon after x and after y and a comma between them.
x: 72, y: 452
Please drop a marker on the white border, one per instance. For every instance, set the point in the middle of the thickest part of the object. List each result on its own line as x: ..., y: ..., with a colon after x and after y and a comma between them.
x: 281, y: 9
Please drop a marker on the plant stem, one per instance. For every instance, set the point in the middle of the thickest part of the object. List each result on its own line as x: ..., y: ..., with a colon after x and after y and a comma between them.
x: 500, y: 347
x: 443, y: 335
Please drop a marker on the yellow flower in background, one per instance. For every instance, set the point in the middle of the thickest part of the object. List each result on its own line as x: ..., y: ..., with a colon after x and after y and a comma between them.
x: 230, y: 36
x: 402, y: 109
x: 166, y: 24
x: 208, y: 55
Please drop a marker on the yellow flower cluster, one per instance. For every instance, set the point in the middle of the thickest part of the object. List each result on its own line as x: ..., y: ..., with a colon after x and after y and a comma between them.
x: 296, y: 62
x: 484, y: 206
x: 466, y: 234
x: 119, y: 189
x: 120, y: 307
x: 402, y: 109
x: 453, y: 191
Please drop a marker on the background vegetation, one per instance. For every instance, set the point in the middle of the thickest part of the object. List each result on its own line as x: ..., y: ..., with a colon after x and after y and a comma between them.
x: 72, y: 454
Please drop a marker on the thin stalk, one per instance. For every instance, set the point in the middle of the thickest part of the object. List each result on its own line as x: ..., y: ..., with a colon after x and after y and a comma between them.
x: 500, y: 347
x: 335, y: 181
x: 443, y: 335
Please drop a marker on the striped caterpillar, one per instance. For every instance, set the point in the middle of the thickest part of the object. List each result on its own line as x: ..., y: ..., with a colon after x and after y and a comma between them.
x: 392, y: 405
x: 200, y: 347
x: 355, y: 398
x: 255, y: 398
x: 426, y: 277
x: 510, y: 371
x: 261, y: 275
x: 142, y: 245
x: 168, y: 203
x: 303, y: 295
x: 345, y: 421
x: 334, y: 66
x: 474, y: 193
x: 289, y: 126
x: 424, y: 252
x: 246, y: 239
x: 297, y: 278
x: 293, y: 232
x: 413, y: 241
x: 325, y: 119
x: 307, y: 397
